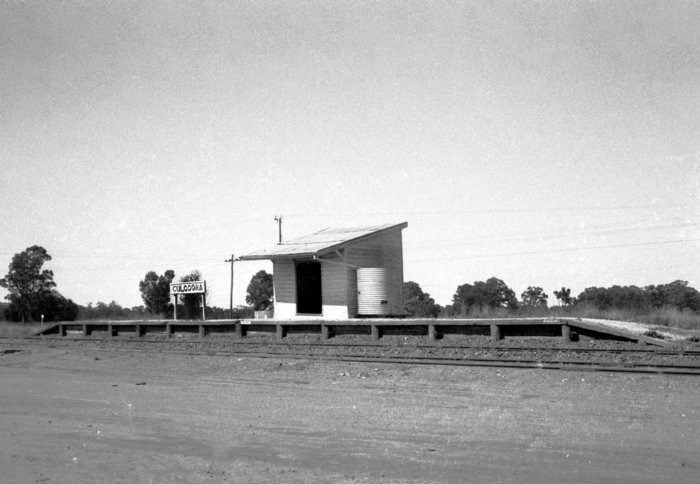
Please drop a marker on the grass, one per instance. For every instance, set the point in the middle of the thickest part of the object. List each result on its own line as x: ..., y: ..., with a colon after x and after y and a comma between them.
x: 19, y: 330
x: 670, y: 317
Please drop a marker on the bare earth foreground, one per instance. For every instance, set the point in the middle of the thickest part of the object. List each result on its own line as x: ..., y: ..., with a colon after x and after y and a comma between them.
x: 79, y: 415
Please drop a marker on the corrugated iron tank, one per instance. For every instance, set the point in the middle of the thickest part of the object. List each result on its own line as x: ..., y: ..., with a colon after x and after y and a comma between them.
x: 374, y: 292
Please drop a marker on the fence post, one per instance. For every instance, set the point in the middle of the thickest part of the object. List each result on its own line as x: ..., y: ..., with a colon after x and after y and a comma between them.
x: 566, y: 333
x: 496, y: 334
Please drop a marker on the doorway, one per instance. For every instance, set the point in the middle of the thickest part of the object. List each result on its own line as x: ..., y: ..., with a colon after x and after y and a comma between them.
x: 308, y: 274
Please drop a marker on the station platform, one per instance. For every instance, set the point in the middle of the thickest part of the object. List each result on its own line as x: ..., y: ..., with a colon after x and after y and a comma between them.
x: 433, y: 329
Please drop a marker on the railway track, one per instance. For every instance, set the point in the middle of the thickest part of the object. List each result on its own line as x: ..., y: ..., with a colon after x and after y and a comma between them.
x: 627, y: 360
x: 288, y: 344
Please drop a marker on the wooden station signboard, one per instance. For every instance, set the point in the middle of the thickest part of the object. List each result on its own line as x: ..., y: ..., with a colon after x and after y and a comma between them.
x: 192, y: 287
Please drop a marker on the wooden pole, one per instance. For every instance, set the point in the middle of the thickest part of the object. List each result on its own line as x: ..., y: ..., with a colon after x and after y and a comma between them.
x: 431, y: 332
x: 204, y: 306
x: 175, y: 306
x: 230, y: 297
x: 278, y: 219
x: 496, y: 333
x: 565, y: 333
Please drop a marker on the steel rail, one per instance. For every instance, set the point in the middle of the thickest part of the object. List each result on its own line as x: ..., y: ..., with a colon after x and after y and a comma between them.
x: 559, y: 364
x: 272, y: 342
x: 287, y: 343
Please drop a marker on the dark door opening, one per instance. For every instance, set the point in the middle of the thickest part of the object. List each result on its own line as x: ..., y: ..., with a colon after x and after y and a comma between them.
x: 309, y: 287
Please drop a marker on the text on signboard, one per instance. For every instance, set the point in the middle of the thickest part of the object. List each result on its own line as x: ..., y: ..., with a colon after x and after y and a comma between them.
x: 196, y: 287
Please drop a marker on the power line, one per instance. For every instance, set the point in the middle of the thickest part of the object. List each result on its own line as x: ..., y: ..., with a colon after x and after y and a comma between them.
x: 548, y: 251
x: 161, y: 256
x: 125, y: 256
x: 500, y: 210
x: 554, y: 235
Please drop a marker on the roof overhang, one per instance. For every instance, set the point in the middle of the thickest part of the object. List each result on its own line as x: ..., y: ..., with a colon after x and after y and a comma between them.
x: 306, y: 248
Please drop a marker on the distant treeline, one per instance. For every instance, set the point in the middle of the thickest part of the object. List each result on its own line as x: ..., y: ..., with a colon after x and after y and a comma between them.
x: 482, y: 298
x: 113, y: 311
x: 32, y: 296
x: 675, y: 303
x: 677, y: 295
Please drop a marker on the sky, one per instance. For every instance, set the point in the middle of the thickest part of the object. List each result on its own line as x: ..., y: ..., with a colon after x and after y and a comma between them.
x: 545, y: 143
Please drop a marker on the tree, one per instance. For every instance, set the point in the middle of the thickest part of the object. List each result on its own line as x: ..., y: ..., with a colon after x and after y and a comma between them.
x: 616, y: 297
x: 563, y: 296
x: 155, y: 292
x: 53, y: 306
x: 192, y: 302
x: 239, y: 312
x: 534, y: 297
x: 418, y: 303
x: 481, y: 296
x: 111, y: 311
x: 677, y: 294
x: 26, y: 280
x: 260, y: 291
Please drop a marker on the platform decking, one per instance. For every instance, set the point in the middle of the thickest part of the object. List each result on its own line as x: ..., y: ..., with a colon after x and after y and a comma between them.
x: 433, y: 329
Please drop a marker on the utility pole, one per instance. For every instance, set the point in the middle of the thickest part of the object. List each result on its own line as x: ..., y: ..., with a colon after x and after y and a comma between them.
x: 231, y: 294
x: 278, y: 219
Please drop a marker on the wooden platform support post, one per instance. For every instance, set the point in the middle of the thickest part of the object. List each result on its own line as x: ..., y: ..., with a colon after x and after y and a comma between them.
x: 111, y: 330
x: 87, y: 331
x: 376, y: 332
x: 325, y: 331
x: 431, y: 332
x: 240, y: 330
x: 62, y: 330
x: 496, y: 334
x: 565, y: 333
x: 168, y: 330
x: 137, y: 330
x: 203, y: 331
x: 281, y: 333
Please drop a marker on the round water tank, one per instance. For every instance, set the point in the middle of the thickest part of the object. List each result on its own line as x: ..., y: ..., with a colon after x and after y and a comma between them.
x: 372, y: 291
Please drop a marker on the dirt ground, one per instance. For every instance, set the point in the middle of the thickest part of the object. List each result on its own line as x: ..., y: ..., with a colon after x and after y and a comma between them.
x: 72, y: 415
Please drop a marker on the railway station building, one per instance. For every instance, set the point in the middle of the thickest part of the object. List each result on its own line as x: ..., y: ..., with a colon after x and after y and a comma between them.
x: 338, y: 273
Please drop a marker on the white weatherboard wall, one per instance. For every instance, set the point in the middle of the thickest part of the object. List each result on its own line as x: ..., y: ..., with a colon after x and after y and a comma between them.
x: 285, y: 289
x: 339, y: 278
x: 384, y: 250
x: 333, y: 287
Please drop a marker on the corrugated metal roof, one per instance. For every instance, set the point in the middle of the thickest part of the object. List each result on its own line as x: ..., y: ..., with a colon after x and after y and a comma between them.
x: 321, y: 242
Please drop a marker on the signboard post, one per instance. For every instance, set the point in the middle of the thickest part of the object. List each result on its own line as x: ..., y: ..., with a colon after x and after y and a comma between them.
x: 193, y: 287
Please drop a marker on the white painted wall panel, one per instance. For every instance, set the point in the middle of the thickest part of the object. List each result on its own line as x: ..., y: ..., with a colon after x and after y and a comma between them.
x: 384, y: 250
x: 285, y: 310
x: 339, y: 277
x: 334, y: 287
x: 335, y: 312
x: 284, y: 284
